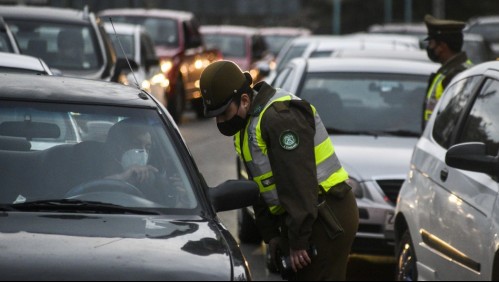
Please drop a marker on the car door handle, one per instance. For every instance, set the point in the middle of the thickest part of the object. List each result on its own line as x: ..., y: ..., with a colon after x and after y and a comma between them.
x: 444, y: 174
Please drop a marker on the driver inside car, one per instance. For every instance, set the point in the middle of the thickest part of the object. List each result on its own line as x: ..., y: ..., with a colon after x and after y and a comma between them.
x: 128, y: 145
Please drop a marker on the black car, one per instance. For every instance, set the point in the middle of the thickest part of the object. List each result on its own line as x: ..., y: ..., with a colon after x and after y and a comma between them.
x: 96, y: 183
x: 71, y: 42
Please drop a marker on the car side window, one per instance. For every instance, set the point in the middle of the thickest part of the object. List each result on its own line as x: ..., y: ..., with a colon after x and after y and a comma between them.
x: 455, y: 99
x: 281, y: 77
x: 482, y: 123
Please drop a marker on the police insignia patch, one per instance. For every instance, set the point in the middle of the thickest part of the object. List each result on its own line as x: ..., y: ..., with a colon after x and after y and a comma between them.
x: 289, y: 140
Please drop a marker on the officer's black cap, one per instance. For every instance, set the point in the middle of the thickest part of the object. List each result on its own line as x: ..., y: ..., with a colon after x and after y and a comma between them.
x: 220, y: 83
x: 443, y: 29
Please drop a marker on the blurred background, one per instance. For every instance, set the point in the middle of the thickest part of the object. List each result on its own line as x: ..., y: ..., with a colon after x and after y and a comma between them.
x: 320, y: 16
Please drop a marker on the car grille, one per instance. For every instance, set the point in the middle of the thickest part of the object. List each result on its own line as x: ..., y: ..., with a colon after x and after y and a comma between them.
x: 391, y: 188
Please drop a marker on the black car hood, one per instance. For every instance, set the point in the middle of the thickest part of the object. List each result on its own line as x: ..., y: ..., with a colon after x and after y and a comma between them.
x: 80, y: 247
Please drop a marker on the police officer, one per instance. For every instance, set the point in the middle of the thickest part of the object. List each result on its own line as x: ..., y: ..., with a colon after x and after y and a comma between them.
x: 287, y: 152
x: 444, y: 44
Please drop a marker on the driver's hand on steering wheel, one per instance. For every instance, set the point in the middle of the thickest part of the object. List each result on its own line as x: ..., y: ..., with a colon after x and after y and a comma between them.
x: 136, y: 174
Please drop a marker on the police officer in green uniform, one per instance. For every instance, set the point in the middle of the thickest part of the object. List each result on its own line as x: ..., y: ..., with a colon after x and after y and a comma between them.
x: 444, y: 44
x: 304, y: 201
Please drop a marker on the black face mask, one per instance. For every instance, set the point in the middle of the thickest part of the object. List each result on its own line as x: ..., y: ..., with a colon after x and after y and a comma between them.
x: 431, y: 54
x: 232, y: 126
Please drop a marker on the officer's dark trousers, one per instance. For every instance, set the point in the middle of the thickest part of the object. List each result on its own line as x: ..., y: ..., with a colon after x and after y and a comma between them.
x: 332, y: 255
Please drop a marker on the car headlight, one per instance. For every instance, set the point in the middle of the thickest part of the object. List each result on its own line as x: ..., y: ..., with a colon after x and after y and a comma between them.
x: 166, y: 66
x: 161, y: 80
x: 356, y: 188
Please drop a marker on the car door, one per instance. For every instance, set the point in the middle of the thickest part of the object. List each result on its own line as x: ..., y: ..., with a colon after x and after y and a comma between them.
x: 461, y: 202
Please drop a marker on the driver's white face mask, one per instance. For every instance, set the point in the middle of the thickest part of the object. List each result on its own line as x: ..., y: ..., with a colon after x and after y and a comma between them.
x: 134, y: 157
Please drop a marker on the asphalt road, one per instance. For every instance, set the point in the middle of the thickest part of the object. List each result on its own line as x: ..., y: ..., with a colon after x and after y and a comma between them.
x: 215, y: 157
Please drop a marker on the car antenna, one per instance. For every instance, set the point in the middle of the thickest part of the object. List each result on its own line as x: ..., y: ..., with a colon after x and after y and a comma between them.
x: 123, y: 50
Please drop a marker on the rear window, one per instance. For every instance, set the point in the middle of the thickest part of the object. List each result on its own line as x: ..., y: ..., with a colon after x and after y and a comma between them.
x: 389, y: 103
x: 61, y: 46
x: 230, y: 45
x: 163, y: 31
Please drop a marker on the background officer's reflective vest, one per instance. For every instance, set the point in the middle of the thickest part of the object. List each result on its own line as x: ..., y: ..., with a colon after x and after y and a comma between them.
x: 254, y: 154
x: 435, y: 92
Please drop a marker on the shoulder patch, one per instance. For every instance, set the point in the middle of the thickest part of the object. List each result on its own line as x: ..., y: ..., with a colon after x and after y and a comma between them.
x: 289, y: 140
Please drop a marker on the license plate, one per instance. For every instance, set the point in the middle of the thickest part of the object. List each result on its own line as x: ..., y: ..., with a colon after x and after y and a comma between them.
x: 389, y: 220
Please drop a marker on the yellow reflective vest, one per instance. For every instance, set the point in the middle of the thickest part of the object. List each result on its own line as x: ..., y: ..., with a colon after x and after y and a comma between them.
x: 253, y: 151
x: 436, y: 89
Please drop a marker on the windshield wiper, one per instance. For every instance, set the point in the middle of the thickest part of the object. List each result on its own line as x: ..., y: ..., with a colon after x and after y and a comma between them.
x: 78, y: 205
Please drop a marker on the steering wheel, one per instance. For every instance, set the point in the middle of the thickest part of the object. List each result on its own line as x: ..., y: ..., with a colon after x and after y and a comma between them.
x: 105, y: 185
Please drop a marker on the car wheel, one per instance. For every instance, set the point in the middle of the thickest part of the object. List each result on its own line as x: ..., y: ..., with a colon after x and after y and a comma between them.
x: 247, y: 231
x: 177, y: 101
x: 406, y: 259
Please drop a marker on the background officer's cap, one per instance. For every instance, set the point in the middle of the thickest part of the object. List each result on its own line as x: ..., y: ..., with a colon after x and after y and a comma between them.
x: 442, y: 29
x: 220, y: 83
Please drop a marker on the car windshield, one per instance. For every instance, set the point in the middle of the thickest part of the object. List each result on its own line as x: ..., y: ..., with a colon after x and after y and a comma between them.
x: 128, y: 45
x: 232, y: 46
x: 163, y: 31
x: 367, y: 102
x: 276, y: 42
x: 69, y: 153
x: 62, y: 46
x: 4, y: 42
x: 294, y: 52
x: 488, y: 31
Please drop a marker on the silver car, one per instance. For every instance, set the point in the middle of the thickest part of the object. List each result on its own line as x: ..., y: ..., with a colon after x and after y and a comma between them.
x: 447, y: 214
x: 372, y: 109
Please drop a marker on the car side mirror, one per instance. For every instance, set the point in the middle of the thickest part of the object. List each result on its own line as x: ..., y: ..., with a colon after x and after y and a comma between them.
x: 151, y: 63
x: 472, y: 157
x: 233, y: 195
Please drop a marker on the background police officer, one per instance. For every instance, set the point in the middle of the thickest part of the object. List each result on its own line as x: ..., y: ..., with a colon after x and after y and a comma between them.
x: 304, y: 200
x: 445, y: 42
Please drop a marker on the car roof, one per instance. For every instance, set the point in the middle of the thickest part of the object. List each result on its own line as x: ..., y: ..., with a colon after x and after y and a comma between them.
x: 399, y: 28
x: 480, y: 69
x: 231, y: 29
x: 157, y: 13
x: 45, y: 13
x: 411, y: 55
x: 123, y: 28
x: 18, y: 61
x: 369, y: 65
x: 71, y: 90
x: 284, y: 31
x: 484, y: 20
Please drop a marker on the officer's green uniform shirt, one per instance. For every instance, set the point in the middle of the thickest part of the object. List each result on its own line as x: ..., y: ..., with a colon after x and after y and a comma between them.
x: 288, y: 129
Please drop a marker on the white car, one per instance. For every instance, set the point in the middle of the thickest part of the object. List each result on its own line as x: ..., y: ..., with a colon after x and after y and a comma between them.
x: 372, y: 109
x: 10, y: 62
x: 447, y: 214
x: 139, y: 49
x: 327, y: 45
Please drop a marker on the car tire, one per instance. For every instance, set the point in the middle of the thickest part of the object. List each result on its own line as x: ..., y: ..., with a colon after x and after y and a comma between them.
x: 247, y: 231
x: 406, y: 268
x: 176, y: 102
